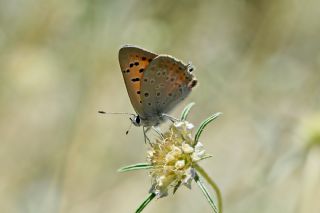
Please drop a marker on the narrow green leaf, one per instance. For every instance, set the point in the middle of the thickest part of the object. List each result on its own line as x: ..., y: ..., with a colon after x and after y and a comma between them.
x: 137, y: 166
x: 204, y: 124
x: 146, y: 202
x: 186, y: 111
x: 204, y: 157
x: 206, y: 193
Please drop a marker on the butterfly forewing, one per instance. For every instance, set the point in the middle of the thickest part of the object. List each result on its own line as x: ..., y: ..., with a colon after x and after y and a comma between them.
x: 133, y: 63
x: 165, y: 83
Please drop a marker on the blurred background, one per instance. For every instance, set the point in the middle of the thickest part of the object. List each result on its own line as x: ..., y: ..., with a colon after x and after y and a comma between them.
x: 256, y: 61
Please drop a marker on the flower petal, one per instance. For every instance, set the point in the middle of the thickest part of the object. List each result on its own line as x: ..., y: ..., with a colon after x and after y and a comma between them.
x: 186, y: 148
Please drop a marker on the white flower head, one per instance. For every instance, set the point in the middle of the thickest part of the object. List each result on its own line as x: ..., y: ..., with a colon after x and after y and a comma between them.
x: 173, y: 158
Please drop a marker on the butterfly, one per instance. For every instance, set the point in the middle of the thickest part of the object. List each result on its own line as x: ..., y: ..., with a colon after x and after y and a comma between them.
x: 155, y: 83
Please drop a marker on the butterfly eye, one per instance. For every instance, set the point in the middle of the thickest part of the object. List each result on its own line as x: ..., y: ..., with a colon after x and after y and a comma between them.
x: 191, y: 69
x: 137, y: 119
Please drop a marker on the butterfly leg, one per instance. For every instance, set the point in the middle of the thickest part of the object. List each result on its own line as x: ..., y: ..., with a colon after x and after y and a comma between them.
x: 145, y: 130
x: 158, y: 130
x: 172, y: 119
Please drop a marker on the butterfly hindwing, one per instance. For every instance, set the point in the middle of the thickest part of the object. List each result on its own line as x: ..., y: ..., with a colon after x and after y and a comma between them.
x: 165, y: 83
x: 133, y: 63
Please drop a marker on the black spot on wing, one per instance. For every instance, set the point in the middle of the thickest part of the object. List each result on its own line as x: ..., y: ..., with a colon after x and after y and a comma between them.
x: 135, y: 79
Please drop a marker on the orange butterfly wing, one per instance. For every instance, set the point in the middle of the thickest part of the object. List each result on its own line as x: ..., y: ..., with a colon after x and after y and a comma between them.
x: 133, y: 62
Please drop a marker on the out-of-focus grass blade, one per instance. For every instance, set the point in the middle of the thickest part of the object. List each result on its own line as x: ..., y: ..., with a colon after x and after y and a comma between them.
x: 146, y: 202
x: 204, y: 124
x: 206, y: 193
x: 137, y: 166
x: 213, y: 184
x: 186, y: 111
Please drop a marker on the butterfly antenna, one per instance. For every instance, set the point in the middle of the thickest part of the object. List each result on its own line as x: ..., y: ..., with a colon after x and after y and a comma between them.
x: 129, y: 128
x: 116, y: 113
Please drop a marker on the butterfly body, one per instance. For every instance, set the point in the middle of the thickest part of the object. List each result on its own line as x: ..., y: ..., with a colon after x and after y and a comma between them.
x: 155, y: 83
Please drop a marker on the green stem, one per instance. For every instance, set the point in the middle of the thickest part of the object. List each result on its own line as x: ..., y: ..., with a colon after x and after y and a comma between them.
x: 215, y: 187
x: 146, y: 202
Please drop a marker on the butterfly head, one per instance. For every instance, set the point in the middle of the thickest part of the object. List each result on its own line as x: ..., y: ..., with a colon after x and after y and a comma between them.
x: 135, y: 119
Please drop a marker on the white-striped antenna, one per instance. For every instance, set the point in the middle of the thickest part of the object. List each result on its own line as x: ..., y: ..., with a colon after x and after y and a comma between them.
x: 119, y: 113
x: 115, y: 113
